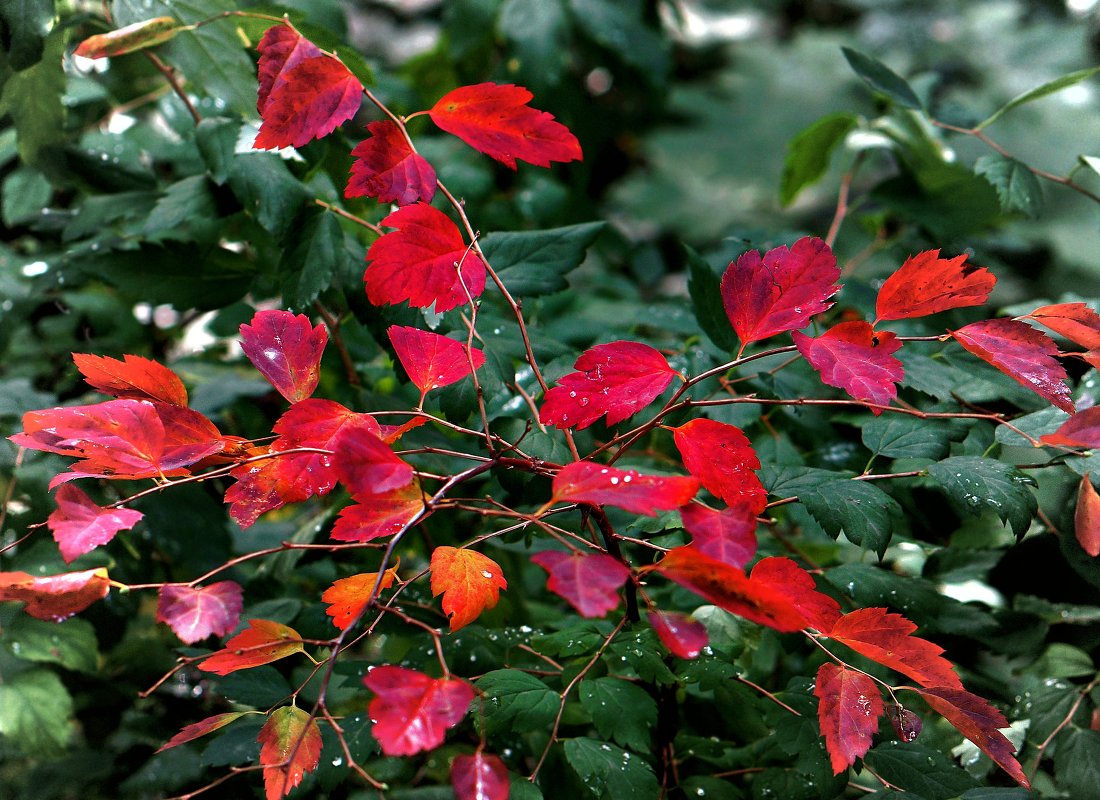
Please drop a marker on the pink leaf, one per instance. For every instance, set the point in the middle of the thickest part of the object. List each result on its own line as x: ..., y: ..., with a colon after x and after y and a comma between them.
x: 287, y: 350
x: 367, y: 466
x: 848, y: 711
x: 683, y: 636
x: 388, y: 168
x: 595, y: 484
x: 723, y: 460
x: 1080, y: 430
x: 431, y: 360
x: 80, y: 526
x: 194, y: 613
x: 728, y: 535
x: 412, y: 711
x: 481, y: 776
x: 589, y: 582
x: 853, y: 357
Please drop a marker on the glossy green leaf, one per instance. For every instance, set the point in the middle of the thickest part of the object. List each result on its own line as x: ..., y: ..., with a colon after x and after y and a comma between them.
x: 622, y: 712
x: 1017, y: 187
x: 903, y: 436
x: 607, y: 771
x: 534, y: 263
x: 27, y: 22
x: 809, y: 152
x: 71, y: 643
x: 1050, y: 87
x: 185, y: 202
x: 516, y: 700
x: 706, y: 298
x: 1077, y: 763
x: 311, y: 262
x: 858, y: 508
x: 983, y: 484
x: 921, y: 770
x: 882, y: 79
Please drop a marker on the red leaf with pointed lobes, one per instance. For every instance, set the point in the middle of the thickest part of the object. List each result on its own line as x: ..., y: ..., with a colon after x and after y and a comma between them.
x: 291, y: 746
x: 367, y: 466
x: 907, y: 725
x: 848, y: 710
x: 347, y: 597
x: 430, y: 360
x: 281, y: 49
x: 413, y: 711
x: 1076, y: 321
x: 590, y: 582
x: 469, y: 582
x: 134, y: 377
x: 388, y: 168
x: 683, y: 636
x: 781, y: 291
x: 260, y: 488
x: 380, y: 516
x: 481, y: 776
x: 818, y: 609
x: 286, y: 350
x: 1022, y: 353
x: 853, y: 357
x: 131, y: 38
x: 926, y: 284
x: 495, y: 119
x: 189, y: 733
x: 595, y: 484
x: 195, y: 612
x: 1080, y: 430
x: 80, y: 526
x: 617, y: 379
x: 728, y: 535
x: 1086, y: 519
x: 417, y: 262
x: 261, y: 643
x: 723, y: 460
x: 55, y: 597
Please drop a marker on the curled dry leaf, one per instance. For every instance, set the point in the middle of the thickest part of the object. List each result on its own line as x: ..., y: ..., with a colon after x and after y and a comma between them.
x: 131, y: 38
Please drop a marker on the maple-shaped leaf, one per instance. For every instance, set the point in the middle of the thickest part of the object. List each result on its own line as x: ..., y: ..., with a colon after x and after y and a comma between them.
x: 617, y: 379
x: 431, y: 360
x: 595, y: 484
x: 260, y: 488
x: 195, y: 612
x: 286, y: 350
x: 347, y: 597
x: 848, y: 710
x: 683, y: 636
x: 723, y: 460
x: 1080, y: 430
x: 590, y: 582
x: 80, y: 526
x: 926, y: 284
x: 195, y: 730
x: 388, y: 168
x: 1076, y: 321
x: 887, y: 638
x: 495, y: 119
x: 290, y: 747
x: 382, y: 515
x: 55, y: 597
x: 780, y: 291
x: 131, y: 38
x: 425, y: 261
x: 1086, y: 519
x: 134, y: 377
x: 412, y: 711
x: 1022, y: 353
x: 728, y: 535
x: 366, y: 465
x: 818, y: 609
x: 469, y: 582
x: 854, y: 357
x: 978, y: 721
x: 907, y: 725
x: 481, y: 776
x: 261, y: 643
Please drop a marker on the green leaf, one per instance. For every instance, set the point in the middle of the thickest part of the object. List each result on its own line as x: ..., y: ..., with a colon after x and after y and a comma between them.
x: 71, y: 643
x: 787, y: 784
x: 808, y: 154
x: 523, y: 789
x: 1077, y: 763
x: 35, y: 708
x: 267, y: 190
x: 1046, y: 705
x: 622, y: 712
x: 1036, y: 424
x: 858, y: 508
x: 238, y: 745
x: 184, y: 202
x: 261, y: 687
x: 308, y: 266
x: 535, y: 263
x: 537, y: 32
x: 903, y: 436
x: 882, y: 79
x: 1061, y: 660
x: 639, y: 651
x: 516, y: 700
x: 704, y: 287
x: 1050, y: 87
x: 608, y: 771
x: 619, y: 27
x: 928, y: 773
x: 1017, y: 187
x: 27, y: 23
x: 26, y: 192
x: 578, y: 640
x: 984, y: 484
x: 216, y: 138
x: 32, y: 98
x: 996, y: 793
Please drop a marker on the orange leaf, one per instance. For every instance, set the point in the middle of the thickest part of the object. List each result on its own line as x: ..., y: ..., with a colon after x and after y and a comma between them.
x: 134, y: 377
x: 1086, y: 520
x: 265, y: 641
x: 926, y: 284
x: 347, y: 596
x: 1076, y: 321
x: 887, y: 638
x: 291, y: 747
x: 55, y: 597
x: 468, y: 581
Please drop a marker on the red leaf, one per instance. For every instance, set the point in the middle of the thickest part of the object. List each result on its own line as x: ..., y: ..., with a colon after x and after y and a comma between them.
x: 134, y: 377
x: 261, y: 643
x: 413, y: 711
x: 728, y: 587
x: 367, y: 466
x: 926, y: 284
x: 281, y: 49
x: 618, y: 379
x: 683, y: 636
x: 481, y: 776
x: 286, y: 350
x: 728, y: 536
x: 469, y: 582
x: 347, y: 597
x: 978, y: 721
x: 853, y: 357
x: 260, y: 488
x: 818, y: 609
x: 723, y: 460
x: 194, y: 613
x: 80, y: 526
x: 1022, y: 353
x: 393, y: 433
x: 595, y: 484
x: 1080, y: 430
x: 388, y: 168
x: 131, y: 38
x: 430, y: 360
x: 781, y: 291
x: 417, y: 262
x: 1076, y: 321
x: 291, y: 747
x: 848, y: 711
x: 1086, y: 520
x: 907, y: 725
x: 55, y: 597
x: 589, y: 582
x: 886, y: 638
x: 193, y: 731
x: 382, y: 515
x: 495, y: 119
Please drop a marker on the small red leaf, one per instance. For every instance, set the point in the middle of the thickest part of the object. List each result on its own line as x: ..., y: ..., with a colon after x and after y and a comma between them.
x: 723, y: 460
x: 291, y: 746
x: 388, y: 168
x: 134, y: 377
x: 55, y: 597
x: 728, y: 536
x: 848, y: 710
x: 818, y: 609
x: 1086, y: 520
x: 130, y: 39
x: 347, y: 597
x: 261, y: 643
x: 853, y: 357
x: 907, y: 725
x: 391, y: 434
x: 595, y: 484
x: 926, y: 284
x: 413, y: 711
x: 286, y: 350
x: 367, y: 466
x: 683, y: 636
x: 430, y: 360
x: 193, y: 731
x: 495, y: 119
x: 1022, y: 353
x: 417, y: 262
x: 469, y: 582
x: 194, y: 613
x: 260, y: 488
x: 887, y: 638
x: 590, y: 582
x: 1080, y: 430
x: 1076, y: 321
x: 481, y: 776
x: 381, y: 515
x: 80, y: 526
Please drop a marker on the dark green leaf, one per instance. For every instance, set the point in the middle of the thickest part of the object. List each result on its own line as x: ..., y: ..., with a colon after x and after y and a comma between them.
x: 309, y: 264
x: 185, y: 202
x: 537, y: 31
x: 267, y: 190
x: 928, y: 773
x: 32, y: 98
x: 608, y: 771
x: 25, y: 193
x: 996, y: 793
x: 26, y: 24
x: 1046, y: 705
x: 261, y: 687
x: 619, y: 27
x: 237, y: 745
x: 1017, y: 187
x: 516, y: 700
x: 1035, y: 424
x: 71, y: 643
x: 858, y: 508
x: 534, y: 263
x: 983, y: 484
x: 787, y: 784
x: 809, y: 152
x: 216, y: 138
x: 1050, y: 87
x: 711, y: 788
x: 882, y: 79
x: 1077, y: 764
x: 622, y: 712
x: 933, y: 376
x: 638, y: 650
x: 578, y: 640
x: 35, y: 708
x: 703, y: 285
x: 523, y: 789
x: 903, y: 436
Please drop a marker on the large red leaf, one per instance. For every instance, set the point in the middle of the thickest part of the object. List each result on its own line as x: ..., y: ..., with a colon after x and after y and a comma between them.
x: 887, y: 638
x: 413, y: 711
x: 848, y: 709
x: 366, y: 465
x: 781, y: 291
x: 381, y: 515
x: 261, y: 643
x: 287, y: 350
x: 195, y: 612
x: 348, y: 597
x: 926, y: 284
x: 290, y: 747
x: 683, y: 636
x: 595, y: 484
x: 723, y: 460
x: 431, y: 360
x: 1076, y: 321
x: 388, y: 168
x: 728, y: 536
x: 818, y: 609
x: 1086, y: 519
x: 495, y: 119
x: 55, y: 597
x: 1022, y: 353
x: 853, y: 357
x: 481, y: 776
x: 1080, y: 430
x: 193, y: 731
x: 260, y: 488
x: 80, y: 526
x: 281, y: 49
x: 469, y: 582
x: 590, y: 582
x: 134, y: 377
x: 417, y: 262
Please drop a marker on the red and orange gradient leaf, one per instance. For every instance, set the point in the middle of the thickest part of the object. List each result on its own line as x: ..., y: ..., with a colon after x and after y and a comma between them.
x: 469, y: 582
x: 189, y: 733
x: 723, y: 460
x: 386, y: 167
x: 430, y: 360
x: 133, y: 378
x: 413, y: 711
x: 853, y: 357
x: 55, y: 597
x: 481, y: 776
x: 848, y: 710
x: 286, y: 350
x: 1076, y: 321
x: 818, y: 609
x: 927, y: 284
x: 79, y: 525
x: 595, y: 484
x: 290, y: 747
x: 261, y: 643
x: 588, y: 582
x: 195, y: 612
x: 347, y: 597
x: 1086, y: 519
